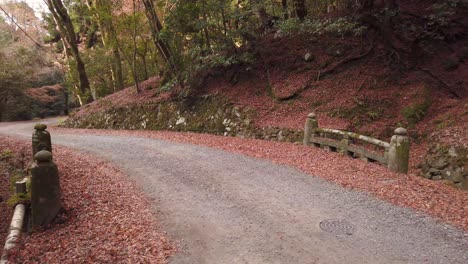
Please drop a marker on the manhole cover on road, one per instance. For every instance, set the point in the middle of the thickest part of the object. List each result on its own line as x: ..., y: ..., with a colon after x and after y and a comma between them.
x: 337, y: 226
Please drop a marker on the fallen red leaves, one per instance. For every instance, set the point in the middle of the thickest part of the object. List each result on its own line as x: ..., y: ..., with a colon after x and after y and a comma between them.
x: 106, y: 220
x: 5, y: 210
x: 127, y: 96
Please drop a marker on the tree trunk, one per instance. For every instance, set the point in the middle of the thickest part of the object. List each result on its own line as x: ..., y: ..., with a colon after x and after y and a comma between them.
x: 284, y: 4
x: 67, y: 31
x: 366, y: 5
x: 205, y: 29
x: 156, y: 27
x: 109, y: 40
x: 299, y: 9
x: 119, y: 83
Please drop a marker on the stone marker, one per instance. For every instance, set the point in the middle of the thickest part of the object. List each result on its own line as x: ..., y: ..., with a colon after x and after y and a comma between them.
x: 398, y: 153
x: 310, y: 126
x: 20, y: 186
x: 41, y: 139
x: 45, y: 189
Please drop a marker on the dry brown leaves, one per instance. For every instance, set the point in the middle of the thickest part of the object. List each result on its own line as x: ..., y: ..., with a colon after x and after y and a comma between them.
x: 127, y: 96
x: 5, y: 210
x: 105, y: 218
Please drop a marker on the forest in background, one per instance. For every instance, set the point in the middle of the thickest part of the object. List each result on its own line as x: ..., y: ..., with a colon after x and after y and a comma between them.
x: 25, y: 63
x: 96, y: 47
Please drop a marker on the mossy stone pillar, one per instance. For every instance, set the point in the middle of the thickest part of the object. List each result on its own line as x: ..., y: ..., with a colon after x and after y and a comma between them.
x: 41, y: 139
x: 398, y: 153
x: 45, y: 189
x: 311, y: 125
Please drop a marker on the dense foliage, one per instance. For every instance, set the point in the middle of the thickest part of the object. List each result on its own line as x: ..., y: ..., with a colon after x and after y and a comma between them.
x: 105, y: 46
x: 124, y: 42
x: 22, y: 63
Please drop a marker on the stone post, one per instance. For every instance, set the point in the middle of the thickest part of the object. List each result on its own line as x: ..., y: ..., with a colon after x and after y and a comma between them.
x: 311, y: 125
x: 41, y: 139
x: 20, y: 186
x: 345, y: 142
x: 398, y: 153
x: 45, y: 189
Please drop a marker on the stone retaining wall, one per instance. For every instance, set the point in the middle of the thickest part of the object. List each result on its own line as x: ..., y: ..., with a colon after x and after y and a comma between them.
x: 445, y: 162
x: 215, y: 115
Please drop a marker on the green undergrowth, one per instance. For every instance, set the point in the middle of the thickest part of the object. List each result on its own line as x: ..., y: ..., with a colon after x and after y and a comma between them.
x: 363, y: 111
x: 17, y: 198
x: 416, y: 112
x: 15, y: 170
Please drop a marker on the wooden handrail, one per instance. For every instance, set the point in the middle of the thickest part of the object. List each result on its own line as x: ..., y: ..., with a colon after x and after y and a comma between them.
x: 395, y: 157
x: 367, y: 139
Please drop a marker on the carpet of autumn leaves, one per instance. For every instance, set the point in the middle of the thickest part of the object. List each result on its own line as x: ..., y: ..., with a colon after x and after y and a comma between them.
x: 434, y: 198
x: 105, y: 219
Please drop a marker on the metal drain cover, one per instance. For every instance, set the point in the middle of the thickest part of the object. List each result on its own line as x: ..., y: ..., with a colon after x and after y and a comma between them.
x: 337, y: 226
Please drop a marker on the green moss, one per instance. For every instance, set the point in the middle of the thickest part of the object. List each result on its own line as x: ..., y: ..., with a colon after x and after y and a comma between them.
x: 203, y: 114
x: 19, y: 199
x: 416, y: 112
x: 445, y: 122
x: 6, y: 154
x: 7, y: 164
x: 364, y: 111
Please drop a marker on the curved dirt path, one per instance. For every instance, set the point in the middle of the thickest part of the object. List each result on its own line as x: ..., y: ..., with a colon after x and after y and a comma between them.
x: 228, y: 208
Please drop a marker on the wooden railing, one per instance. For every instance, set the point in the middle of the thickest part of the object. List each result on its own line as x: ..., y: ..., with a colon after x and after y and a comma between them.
x: 395, y: 154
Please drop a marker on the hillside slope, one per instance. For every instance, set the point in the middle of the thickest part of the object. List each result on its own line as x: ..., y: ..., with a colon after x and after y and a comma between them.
x: 347, y: 81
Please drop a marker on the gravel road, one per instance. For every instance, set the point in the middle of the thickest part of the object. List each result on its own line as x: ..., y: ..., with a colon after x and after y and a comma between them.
x: 228, y: 208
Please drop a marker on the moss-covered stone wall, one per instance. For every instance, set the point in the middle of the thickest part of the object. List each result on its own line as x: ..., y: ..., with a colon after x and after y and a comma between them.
x: 449, y: 163
x: 215, y: 115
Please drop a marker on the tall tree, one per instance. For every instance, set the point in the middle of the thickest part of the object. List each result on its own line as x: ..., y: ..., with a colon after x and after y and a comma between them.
x: 103, y: 16
x: 65, y: 25
x: 156, y: 27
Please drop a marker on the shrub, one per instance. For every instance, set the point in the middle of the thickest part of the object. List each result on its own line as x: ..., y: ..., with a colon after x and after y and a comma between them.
x: 416, y: 112
x: 440, y: 19
x: 289, y: 26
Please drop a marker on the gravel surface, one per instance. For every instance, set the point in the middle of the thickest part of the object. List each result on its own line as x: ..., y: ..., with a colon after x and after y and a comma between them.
x: 229, y: 208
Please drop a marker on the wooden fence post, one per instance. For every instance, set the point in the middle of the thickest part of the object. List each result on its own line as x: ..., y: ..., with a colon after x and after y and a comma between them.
x: 311, y: 125
x: 398, y: 153
x: 345, y: 142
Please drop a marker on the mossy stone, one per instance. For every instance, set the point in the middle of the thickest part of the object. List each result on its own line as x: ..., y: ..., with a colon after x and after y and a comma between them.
x: 43, y: 156
x: 401, y: 131
x: 40, y: 127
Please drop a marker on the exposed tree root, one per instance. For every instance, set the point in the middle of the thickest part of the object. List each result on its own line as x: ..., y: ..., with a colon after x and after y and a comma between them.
x: 441, y: 82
